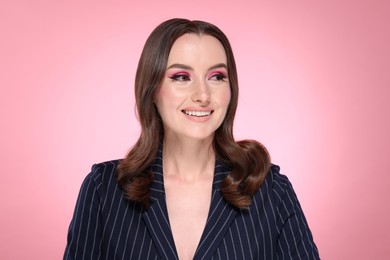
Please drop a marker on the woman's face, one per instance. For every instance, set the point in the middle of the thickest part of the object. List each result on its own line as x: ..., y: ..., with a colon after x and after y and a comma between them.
x: 195, y: 92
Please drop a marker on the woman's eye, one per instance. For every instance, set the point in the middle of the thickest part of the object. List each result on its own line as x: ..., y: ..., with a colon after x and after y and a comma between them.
x: 180, y: 77
x: 218, y: 77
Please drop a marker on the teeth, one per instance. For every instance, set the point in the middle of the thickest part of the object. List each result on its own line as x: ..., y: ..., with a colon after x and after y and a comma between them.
x: 197, y: 113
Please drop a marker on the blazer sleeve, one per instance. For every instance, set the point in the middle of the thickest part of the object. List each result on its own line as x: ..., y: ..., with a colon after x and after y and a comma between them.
x: 85, y: 230
x: 295, y: 239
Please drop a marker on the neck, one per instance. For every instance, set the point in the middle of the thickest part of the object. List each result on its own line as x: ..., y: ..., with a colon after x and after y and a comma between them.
x: 188, y: 160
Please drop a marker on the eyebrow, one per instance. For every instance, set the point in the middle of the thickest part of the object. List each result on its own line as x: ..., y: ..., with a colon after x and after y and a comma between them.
x: 186, y: 67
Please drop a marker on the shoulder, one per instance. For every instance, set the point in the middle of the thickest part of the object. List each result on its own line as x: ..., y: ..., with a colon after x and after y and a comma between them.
x: 279, y: 182
x: 106, y: 167
x: 278, y: 187
x: 281, y: 192
x: 102, y: 174
x: 101, y: 169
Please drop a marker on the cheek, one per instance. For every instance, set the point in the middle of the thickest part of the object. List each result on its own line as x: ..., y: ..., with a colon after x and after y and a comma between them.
x: 224, y: 98
x: 161, y: 94
x: 167, y: 97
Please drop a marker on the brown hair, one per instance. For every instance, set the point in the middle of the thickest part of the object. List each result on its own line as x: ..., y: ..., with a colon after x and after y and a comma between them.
x: 249, y: 160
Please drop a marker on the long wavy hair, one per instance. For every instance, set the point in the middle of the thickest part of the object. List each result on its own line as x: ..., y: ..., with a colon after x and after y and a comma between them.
x: 248, y: 159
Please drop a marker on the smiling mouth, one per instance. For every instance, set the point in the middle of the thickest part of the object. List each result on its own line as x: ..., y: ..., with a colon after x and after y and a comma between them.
x: 197, y: 113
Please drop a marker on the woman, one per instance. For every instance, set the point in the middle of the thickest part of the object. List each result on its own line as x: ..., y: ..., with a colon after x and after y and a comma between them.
x: 187, y: 189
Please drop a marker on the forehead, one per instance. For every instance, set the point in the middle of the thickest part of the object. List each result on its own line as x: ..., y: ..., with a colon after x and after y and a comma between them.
x: 192, y: 47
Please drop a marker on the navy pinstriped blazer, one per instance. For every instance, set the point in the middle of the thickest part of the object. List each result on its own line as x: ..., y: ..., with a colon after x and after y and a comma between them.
x: 105, y: 225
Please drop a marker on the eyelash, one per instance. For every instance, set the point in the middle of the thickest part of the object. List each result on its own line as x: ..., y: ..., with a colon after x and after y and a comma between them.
x: 185, y: 77
x: 181, y: 77
x: 219, y: 76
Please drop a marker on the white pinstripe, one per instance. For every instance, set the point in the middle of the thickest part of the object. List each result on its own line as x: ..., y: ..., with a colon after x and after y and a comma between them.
x: 89, y: 219
x: 261, y: 226
x: 218, y: 233
x: 82, y: 215
x: 128, y: 233
x: 165, y: 237
x: 247, y: 237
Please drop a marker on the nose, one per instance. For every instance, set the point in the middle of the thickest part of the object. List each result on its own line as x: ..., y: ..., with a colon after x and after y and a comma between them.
x: 201, y: 93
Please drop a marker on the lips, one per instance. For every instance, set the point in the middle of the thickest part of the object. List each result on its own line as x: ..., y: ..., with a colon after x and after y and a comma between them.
x: 197, y: 113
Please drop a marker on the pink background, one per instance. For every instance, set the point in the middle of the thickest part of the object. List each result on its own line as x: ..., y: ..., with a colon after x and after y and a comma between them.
x: 315, y: 89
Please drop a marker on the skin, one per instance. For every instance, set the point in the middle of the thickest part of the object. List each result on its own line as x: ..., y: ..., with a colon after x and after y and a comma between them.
x: 196, y: 82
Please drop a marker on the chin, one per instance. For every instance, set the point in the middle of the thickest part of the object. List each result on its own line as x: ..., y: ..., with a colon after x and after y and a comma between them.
x: 201, y: 136
x: 195, y: 134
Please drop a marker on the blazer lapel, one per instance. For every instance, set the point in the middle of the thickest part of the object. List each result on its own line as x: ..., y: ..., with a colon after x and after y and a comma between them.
x: 156, y: 216
x: 220, y: 217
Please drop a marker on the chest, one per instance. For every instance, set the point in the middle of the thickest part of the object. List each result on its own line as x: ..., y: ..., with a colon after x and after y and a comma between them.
x: 188, y: 207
